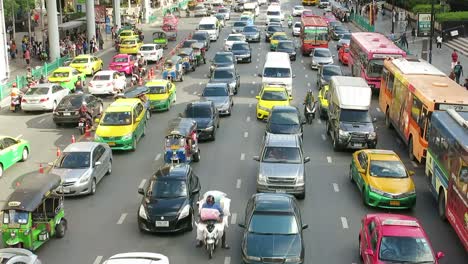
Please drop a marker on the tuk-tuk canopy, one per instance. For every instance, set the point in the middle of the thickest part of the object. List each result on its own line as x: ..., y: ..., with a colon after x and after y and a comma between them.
x: 181, y: 126
x: 185, y: 51
x: 198, y: 45
x: 174, y: 60
x: 159, y: 34
x: 134, y: 93
x: 32, y: 190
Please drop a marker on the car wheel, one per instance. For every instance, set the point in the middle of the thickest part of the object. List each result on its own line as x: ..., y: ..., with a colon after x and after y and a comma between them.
x: 61, y: 228
x: 190, y: 227
x: 364, y: 196
x: 301, y: 196
x: 350, y: 173
x: 1, y: 170
x: 197, y: 156
x: 93, y: 187
x: 144, y: 131
x: 25, y: 154
x: 134, y: 144
x: 440, y: 205
x: 109, y: 169
x: 410, y: 150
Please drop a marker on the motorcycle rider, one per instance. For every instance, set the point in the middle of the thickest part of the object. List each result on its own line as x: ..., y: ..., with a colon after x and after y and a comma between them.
x: 42, y: 79
x: 211, y: 204
x: 85, y: 113
x: 309, y: 101
x: 290, y: 20
x: 79, y: 86
x: 29, y: 76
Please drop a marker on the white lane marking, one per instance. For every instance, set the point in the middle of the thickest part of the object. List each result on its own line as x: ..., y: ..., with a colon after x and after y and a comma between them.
x: 98, y: 260
x: 238, y: 183
x: 157, y: 156
x: 252, y: 91
x: 142, y: 184
x: 256, y: 67
x: 308, y: 84
x: 122, y: 218
x: 233, y: 218
x: 41, y: 121
x: 414, y: 164
x: 258, y: 60
x: 254, y: 83
x: 19, y: 136
x: 329, y: 159
x: 307, y: 76
x: 250, y: 105
x: 200, y: 83
x: 302, y: 61
x: 335, y: 187
x: 195, y: 93
x: 324, y: 137
x: 255, y: 75
x: 344, y: 222
x: 378, y: 109
x: 242, y: 156
x: 319, y: 121
x: 227, y: 260
x: 304, y: 68
x: 246, y: 134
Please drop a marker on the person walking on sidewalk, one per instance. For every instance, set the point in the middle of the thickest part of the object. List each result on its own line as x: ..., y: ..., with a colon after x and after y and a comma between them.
x: 413, y: 33
x: 403, y: 40
x: 454, y: 58
x: 13, y: 50
x: 27, y: 57
x: 458, y: 70
x: 101, y: 43
x: 439, y: 42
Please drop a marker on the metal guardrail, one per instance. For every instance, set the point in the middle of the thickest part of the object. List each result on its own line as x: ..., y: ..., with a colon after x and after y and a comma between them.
x: 362, y: 22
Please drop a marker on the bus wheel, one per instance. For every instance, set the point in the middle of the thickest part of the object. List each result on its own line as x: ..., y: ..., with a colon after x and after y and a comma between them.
x: 441, y: 205
x: 410, y: 150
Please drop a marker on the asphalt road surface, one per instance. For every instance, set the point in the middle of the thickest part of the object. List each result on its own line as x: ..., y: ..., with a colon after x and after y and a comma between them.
x: 106, y: 223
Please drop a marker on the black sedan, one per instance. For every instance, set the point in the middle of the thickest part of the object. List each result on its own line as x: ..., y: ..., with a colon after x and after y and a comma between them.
x: 241, y: 51
x: 272, y: 29
x: 251, y: 33
x: 67, y: 111
x: 188, y: 43
x: 227, y: 75
x: 207, y: 117
x: 338, y: 32
x: 222, y: 59
x: 168, y: 200
x: 288, y: 47
x: 325, y: 72
x: 203, y: 37
x: 273, y: 230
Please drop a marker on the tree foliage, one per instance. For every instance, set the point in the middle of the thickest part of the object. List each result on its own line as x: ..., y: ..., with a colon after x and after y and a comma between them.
x: 17, y: 6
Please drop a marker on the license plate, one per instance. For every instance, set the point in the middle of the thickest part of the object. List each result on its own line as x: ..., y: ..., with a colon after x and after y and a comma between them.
x: 162, y: 223
x: 80, y: 124
x: 174, y: 147
x: 111, y: 143
x: 66, y: 190
x: 280, y: 191
x: 358, y: 145
x: 34, y: 101
x: 239, y: 59
x: 395, y: 203
x: 66, y: 114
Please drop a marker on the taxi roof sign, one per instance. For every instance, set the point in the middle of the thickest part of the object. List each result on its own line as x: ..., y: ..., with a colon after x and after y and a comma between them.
x: 14, y: 203
x: 396, y: 222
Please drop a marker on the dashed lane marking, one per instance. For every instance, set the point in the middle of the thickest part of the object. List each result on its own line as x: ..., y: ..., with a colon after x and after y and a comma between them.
x: 254, y: 75
x: 308, y: 84
x: 414, y: 164
x: 246, y: 134
x: 238, y: 183
x: 329, y: 159
x: 304, y: 68
x: 200, y: 83
x: 19, y: 136
x: 247, y: 119
x: 97, y: 260
x: 41, y: 121
x: 324, y: 137
x: 233, y: 218
x: 157, y: 156
x: 194, y: 93
x: 307, y: 76
x: 122, y: 218
x: 242, y: 157
x: 142, y: 184
x: 302, y: 61
x: 252, y: 91
x: 256, y: 66
x: 344, y: 222
x: 250, y: 105
x: 378, y: 109
x: 227, y: 260
x: 253, y: 82
x: 335, y: 187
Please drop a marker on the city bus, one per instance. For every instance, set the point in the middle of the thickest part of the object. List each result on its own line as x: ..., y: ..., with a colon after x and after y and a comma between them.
x: 314, y: 34
x: 310, y: 2
x: 367, y: 53
x: 447, y: 168
x: 410, y: 92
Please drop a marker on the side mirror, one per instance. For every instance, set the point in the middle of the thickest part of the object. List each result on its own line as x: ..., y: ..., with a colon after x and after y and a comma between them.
x: 290, y: 97
x: 440, y: 255
x: 305, y: 226
x: 360, y: 170
x: 241, y: 225
x: 96, y: 120
x: 141, y: 191
x: 97, y: 163
x: 260, y: 75
x: 257, y: 97
x: 256, y: 158
x: 411, y: 173
x: 306, y: 159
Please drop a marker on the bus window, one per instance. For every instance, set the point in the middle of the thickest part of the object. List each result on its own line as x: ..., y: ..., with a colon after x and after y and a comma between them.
x: 416, y: 110
x: 462, y: 179
x: 390, y: 82
x: 424, y: 119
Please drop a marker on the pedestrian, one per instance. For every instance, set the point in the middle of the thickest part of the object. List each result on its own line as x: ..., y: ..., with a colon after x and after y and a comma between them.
x: 403, y: 40
x: 27, y: 57
x: 101, y: 43
x: 13, y: 50
x: 439, y: 42
x: 85, y: 46
x: 73, y: 49
x: 454, y: 58
x: 413, y: 33
x: 458, y: 70
x: 92, y: 45
x: 466, y: 83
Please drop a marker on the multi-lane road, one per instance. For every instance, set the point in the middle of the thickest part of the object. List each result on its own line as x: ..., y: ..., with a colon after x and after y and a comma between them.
x: 106, y: 223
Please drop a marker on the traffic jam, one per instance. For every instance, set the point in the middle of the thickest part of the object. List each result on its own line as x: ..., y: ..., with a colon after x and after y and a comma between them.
x: 254, y: 131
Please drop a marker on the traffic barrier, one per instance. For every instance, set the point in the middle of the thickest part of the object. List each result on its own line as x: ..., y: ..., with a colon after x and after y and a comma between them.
x: 73, y: 140
x: 58, y: 152
x: 41, y: 169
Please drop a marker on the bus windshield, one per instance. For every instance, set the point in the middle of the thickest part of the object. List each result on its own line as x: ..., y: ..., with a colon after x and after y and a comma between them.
x: 313, y: 33
x: 374, y: 68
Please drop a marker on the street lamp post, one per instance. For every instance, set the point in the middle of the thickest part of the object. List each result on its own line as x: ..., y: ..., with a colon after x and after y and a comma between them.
x: 431, y: 36
x: 393, y: 17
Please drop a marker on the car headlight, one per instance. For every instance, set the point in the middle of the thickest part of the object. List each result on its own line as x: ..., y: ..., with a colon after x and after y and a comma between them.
x: 85, y: 177
x: 372, y: 135
x: 293, y: 259
x: 264, y: 108
x: 300, y: 179
x: 128, y: 136
x: 253, y: 258
x: 372, y: 189
x: 209, y: 128
x: 343, y: 133
x: 184, y: 212
x: 142, y: 212
x: 314, y: 62
x: 261, y: 177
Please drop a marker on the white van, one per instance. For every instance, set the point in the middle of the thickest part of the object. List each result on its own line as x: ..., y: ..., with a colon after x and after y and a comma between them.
x: 274, y: 11
x: 210, y: 25
x: 277, y: 70
x: 252, y: 7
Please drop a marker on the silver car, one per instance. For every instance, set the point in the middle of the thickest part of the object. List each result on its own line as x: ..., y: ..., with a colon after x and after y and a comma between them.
x: 82, y: 165
x: 18, y: 256
x: 220, y: 95
x: 321, y: 56
x: 282, y: 165
x: 200, y: 10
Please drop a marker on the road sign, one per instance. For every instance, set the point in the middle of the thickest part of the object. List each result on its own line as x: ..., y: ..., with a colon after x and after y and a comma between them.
x: 424, y: 24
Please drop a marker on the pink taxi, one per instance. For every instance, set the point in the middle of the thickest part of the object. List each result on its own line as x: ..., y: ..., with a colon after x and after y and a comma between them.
x: 393, y: 238
x: 123, y: 63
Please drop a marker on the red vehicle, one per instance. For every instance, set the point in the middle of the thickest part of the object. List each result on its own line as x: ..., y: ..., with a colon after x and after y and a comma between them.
x: 343, y: 54
x: 123, y: 63
x: 314, y: 34
x: 393, y: 238
x: 170, y: 19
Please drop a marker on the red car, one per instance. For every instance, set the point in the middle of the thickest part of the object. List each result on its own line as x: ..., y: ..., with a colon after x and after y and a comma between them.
x: 123, y: 63
x: 393, y: 238
x: 343, y: 54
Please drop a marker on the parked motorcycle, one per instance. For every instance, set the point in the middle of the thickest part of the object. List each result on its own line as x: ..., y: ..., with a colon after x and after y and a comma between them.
x: 309, y: 112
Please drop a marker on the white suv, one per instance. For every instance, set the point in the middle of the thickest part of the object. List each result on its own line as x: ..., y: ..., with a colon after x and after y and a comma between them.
x: 18, y: 255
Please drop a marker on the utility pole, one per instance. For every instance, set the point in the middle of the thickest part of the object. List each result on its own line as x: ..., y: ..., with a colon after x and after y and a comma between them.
x: 29, y: 22
x: 5, y: 71
x: 431, y: 36
x: 42, y: 22
x: 60, y: 11
x: 13, y: 20
x: 393, y: 17
x: 52, y: 24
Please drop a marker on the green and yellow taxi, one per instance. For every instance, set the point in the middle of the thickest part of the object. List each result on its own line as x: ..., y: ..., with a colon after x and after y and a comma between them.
x: 130, y: 46
x: 323, y: 101
x: 12, y: 150
x: 161, y: 95
x: 275, y: 38
x: 382, y: 179
x: 123, y: 124
x: 66, y: 77
x: 87, y: 64
x: 126, y: 34
x: 271, y: 95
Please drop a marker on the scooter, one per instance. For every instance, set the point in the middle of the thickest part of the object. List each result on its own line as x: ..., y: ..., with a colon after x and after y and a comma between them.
x: 211, y: 238
x: 290, y: 23
x: 135, y: 79
x: 310, y: 112
x: 15, y: 104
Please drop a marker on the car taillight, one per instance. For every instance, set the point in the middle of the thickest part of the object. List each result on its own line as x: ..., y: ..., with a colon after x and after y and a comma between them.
x: 23, y: 100
x: 44, y: 99
x: 108, y: 84
x: 90, y: 84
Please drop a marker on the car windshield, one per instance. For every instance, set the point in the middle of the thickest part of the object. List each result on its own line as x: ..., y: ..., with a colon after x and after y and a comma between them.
x: 215, y: 91
x: 223, y: 74
x: 361, y: 116
x: 80, y: 60
x: 284, y: 118
x: 146, y: 48
x: 128, y: 42
x: 273, y: 13
x: 120, y: 59
x: 322, y: 53
x: 37, y: 91
x: 197, y: 111
x: 125, y: 34
x: 405, y: 250
x: 71, y: 101
x: 286, y: 45
x: 240, y: 24
x: 60, y: 74
x: 167, y: 189
x: 15, y: 217
x: 277, y: 72
x: 274, y: 96
x: 274, y: 29
x: 240, y: 46
x: 273, y: 224
x: 207, y: 26
x: 116, y: 119
x: 250, y: 29
x: 245, y: 18
x: 346, y: 37
x: 101, y: 77
x: 74, y: 160
x: 387, y: 169
x: 188, y: 44
x: 157, y: 89
x: 332, y: 71
x: 282, y: 155
x: 297, y: 25
x: 235, y: 38
x: 375, y: 68
x: 202, y: 37
x: 223, y: 58
x: 280, y: 37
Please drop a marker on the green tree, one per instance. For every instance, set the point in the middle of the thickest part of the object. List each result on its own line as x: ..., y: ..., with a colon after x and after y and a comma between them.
x: 11, y: 6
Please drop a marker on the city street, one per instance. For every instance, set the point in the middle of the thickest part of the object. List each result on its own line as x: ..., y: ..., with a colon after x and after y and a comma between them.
x: 106, y: 223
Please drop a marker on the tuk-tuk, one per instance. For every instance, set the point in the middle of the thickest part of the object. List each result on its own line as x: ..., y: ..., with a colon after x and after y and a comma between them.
x: 181, y: 142
x: 160, y: 38
x: 173, y: 69
x: 199, y: 51
x: 171, y: 31
x: 162, y: 94
x: 188, y: 59
x: 137, y: 92
x: 34, y: 212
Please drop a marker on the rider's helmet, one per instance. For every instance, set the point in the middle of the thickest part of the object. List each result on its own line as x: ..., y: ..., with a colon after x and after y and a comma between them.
x: 84, y: 103
x: 13, y: 85
x: 210, y: 199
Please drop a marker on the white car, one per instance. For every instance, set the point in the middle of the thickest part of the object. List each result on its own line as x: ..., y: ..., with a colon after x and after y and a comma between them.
x: 262, y: 2
x: 18, y: 256
x: 107, y: 82
x: 137, y: 257
x: 231, y: 39
x: 296, y: 28
x: 320, y: 57
x: 151, y: 52
x: 225, y: 12
x: 43, y: 97
x: 297, y: 10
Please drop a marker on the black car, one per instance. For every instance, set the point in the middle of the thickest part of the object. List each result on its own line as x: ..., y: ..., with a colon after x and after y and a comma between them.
x: 285, y: 120
x: 325, y: 72
x: 251, y: 33
x: 188, y: 43
x: 241, y: 51
x: 220, y: 95
x: 203, y: 37
x: 207, y: 117
x: 222, y: 59
x: 288, y: 47
x: 338, y: 32
x: 227, y: 75
x: 67, y: 111
x: 273, y: 230
x: 272, y: 29
x: 169, y: 199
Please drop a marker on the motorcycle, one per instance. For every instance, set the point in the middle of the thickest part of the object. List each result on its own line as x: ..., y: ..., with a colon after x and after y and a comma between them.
x: 211, y: 238
x: 83, y: 125
x: 15, y: 104
x: 116, y: 45
x: 135, y: 79
x: 290, y: 23
x: 309, y: 112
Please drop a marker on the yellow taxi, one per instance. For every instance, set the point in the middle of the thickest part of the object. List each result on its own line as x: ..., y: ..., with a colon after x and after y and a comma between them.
x: 66, y: 77
x: 249, y: 14
x: 127, y: 33
x: 323, y: 102
x: 383, y: 179
x: 275, y: 38
x: 87, y: 64
x: 161, y: 95
x: 123, y: 124
x: 271, y: 95
x: 130, y: 46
